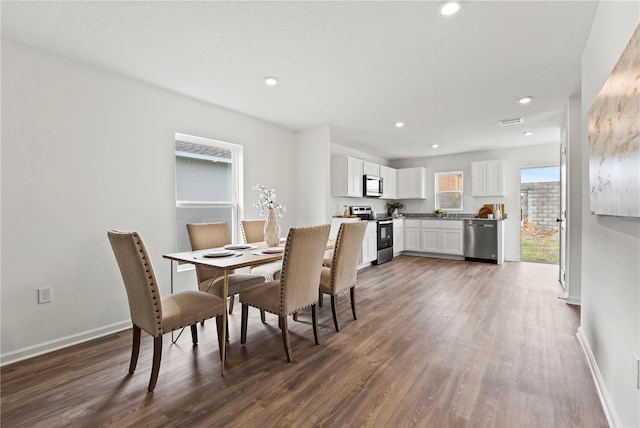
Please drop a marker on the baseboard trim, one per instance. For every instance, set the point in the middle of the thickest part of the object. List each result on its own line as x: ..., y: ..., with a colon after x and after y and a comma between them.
x: 63, y: 342
x: 605, y: 398
x: 574, y: 301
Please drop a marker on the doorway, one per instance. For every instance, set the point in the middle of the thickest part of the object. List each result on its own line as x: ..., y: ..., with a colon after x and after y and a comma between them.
x: 540, y: 198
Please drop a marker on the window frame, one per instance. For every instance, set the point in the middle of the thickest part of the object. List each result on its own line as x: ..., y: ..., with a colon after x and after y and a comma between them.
x: 236, y: 184
x: 437, y: 192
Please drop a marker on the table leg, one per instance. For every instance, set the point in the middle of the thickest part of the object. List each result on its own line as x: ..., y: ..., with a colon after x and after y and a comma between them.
x: 225, y: 291
x: 171, y: 267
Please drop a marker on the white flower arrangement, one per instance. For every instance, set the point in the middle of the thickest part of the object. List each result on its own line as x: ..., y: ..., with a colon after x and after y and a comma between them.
x: 267, y: 200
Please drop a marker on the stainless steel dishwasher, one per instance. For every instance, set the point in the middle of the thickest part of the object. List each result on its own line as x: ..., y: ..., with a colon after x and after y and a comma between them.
x: 481, y: 240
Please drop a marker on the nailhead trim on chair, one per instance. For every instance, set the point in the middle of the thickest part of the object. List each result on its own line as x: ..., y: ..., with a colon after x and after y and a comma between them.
x: 152, y: 286
x: 284, y: 259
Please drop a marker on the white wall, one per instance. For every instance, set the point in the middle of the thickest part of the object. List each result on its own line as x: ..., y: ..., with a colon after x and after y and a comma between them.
x: 610, y: 315
x: 312, y: 175
x: 574, y: 200
x: 84, y: 151
x: 515, y: 159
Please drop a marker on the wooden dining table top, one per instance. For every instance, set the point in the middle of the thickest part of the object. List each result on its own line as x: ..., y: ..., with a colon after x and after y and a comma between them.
x: 241, y: 258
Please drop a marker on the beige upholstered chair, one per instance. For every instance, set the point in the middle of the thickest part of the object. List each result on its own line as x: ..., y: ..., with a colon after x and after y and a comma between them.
x: 344, y: 266
x: 150, y: 312
x: 253, y: 231
x: 204, y: 236
x: 298, y: 285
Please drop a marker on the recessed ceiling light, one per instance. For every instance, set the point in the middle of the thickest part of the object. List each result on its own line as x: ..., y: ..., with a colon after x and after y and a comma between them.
x: 449, y: 7
x: 271, y: 80
x: 434, y: 146
x: 399, y: 124
x: 528, y: 133
x: 525, y: 100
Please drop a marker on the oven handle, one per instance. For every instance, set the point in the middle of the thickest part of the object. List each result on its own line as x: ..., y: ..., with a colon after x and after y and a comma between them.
x: 385, y: 222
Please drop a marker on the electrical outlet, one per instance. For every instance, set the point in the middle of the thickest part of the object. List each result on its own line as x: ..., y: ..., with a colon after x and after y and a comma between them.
x: 44, y: 295
x: 636, y: 369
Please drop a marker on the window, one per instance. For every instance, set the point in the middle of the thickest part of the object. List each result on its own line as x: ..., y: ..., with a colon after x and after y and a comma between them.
x: 208, y: 184
x: 449, y: 191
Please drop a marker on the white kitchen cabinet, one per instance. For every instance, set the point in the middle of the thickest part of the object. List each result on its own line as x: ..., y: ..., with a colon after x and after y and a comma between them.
x: 412, y: 235
x: 431, y: 240
x: 398, y: 236
x: 370, y: 168
x: 346, y: 176
x: 452, y: 237
x: 487, y: 178
x: 369, y: 245
x: 435, y: 236
x: 411, y: 183
x: 389, y: 182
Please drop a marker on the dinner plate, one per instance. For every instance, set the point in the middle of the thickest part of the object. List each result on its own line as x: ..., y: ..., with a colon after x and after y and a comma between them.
x: 239, y: 246
x: 218, y: 253
x: 273, y: 250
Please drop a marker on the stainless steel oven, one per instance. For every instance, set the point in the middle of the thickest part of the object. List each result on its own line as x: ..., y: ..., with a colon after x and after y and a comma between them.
x: 385, y: 241
x: 384, y: 226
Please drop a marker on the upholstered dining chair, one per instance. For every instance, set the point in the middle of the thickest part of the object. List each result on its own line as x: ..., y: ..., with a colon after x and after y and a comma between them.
x: 344, y: 266
x: 253, y: 231
x: 297, y: 287
x: 149, y: 311
x: 211, y: 280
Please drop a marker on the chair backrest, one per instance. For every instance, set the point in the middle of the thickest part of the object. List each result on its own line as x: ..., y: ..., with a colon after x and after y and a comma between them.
x: 204, y: 236
x: 301, y: 265
x: 139, y: 280
x: 348, y: 246
x: 253, y: 230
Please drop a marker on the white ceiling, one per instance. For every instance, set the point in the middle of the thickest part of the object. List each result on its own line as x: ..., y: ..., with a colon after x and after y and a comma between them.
x: 357, y: 66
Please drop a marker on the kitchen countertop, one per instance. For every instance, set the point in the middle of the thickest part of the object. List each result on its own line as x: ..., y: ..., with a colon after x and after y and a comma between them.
x: 449, y: 216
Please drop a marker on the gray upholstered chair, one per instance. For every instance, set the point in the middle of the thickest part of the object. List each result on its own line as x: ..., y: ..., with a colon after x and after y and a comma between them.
x: 344, y: 266
x: 298, y: 284
x: 150, y: 312
x: 204, y: 236
x: 253, y: 231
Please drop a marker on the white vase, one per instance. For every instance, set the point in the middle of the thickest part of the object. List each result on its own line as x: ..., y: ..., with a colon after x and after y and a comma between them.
x: 272, y: 229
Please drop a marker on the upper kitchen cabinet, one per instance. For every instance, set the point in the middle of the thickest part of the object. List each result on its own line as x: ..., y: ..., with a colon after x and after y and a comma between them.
x: 487, y: 178
x: 389, y: 182
x: 370, y: 168
x: 411, y: 183
x: 346, y: 176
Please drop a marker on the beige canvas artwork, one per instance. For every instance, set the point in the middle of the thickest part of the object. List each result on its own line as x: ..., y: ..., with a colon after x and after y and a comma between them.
x: 614, y: 138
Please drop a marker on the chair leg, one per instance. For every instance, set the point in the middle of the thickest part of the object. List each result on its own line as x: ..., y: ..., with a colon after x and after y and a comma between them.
x: 194, y: 334
x: 135, y: 349
x: 320, y: 298
x: 295, y: 316
x: 334, y: 310
x: 232, y: 299
x: 314, y: 317
x: 243, y: 323
x: 353, y: 301
x: 285, y: 337
x: 219, y: 330
x: 157, y: 356
x: 262, y: 316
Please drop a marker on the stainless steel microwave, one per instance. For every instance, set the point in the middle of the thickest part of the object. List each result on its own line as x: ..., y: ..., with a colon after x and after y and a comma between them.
x: 372, y: 186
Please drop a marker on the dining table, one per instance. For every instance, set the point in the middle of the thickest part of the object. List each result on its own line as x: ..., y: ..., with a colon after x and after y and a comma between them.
x: 227, y: 259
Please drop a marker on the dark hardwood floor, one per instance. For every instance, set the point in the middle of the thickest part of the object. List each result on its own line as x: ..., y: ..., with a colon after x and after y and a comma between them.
x: 438, y: 343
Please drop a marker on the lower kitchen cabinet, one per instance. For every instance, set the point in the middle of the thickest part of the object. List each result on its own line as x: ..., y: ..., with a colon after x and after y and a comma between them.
x: 369, y: 244
x: 434, y: 236
x: 412, y: 235
x: 398, y: 236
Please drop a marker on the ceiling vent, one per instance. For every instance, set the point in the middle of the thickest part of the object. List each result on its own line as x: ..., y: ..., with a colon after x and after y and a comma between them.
x: 511, y: 122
